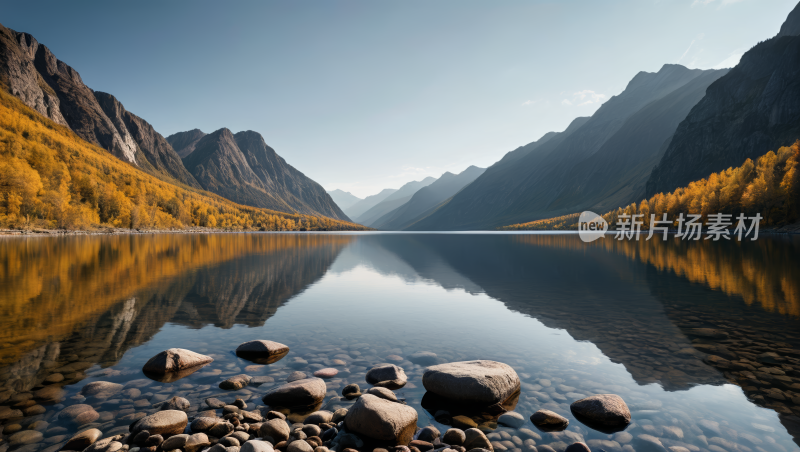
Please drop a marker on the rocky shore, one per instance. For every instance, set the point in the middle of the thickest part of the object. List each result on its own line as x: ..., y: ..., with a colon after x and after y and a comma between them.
x: 322, y: 410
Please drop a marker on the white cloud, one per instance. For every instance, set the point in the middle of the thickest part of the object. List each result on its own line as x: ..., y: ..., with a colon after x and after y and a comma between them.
x: 566, y: 102
x: 529, y: 102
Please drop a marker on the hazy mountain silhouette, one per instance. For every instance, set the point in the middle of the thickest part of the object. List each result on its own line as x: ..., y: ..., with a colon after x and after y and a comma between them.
x: 528, y: 185
x: 344, y: 199
x: 367, y: 203
x: 755, y: 108
x: 393, y: 201
x: 427, y: 199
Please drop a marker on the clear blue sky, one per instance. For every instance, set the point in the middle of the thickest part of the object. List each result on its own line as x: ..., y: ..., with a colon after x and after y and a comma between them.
x: 364, y: 95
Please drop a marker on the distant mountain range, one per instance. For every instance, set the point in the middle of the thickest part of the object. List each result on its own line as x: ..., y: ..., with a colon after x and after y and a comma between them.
x: 344, y: 199
x: 243, y: 169
x: 602, y: 159
x: 393, y: 201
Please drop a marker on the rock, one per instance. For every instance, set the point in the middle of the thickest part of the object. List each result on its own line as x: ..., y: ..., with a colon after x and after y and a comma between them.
x: 381, y: 419
x: 78, y: 414
x: 83, y: 439
x: 387, y: 375
x: 299, y: 446
x: 475, y: 439
x: 25, y: 437
x: 176, y: 403
x: 9, y: 413
x: 229, y: 441
x: 606, y: 413
x: 319, y: 417
x: 348, y: 440
x: 422, y: 446
x: 51, y: 393
x: 351, y: 391
x: 312, y: 430
x: 549, y: 421
x: 328, y: 372
x: 203, y: 424
x: 648, y: 443
x: 300, y: 393
x: 256, y: 446
x: 251, y: 416
x: 275, y: 415
x: 241, y: 436
x: 484, y: 382
x: 463, y: 422
x: 261, y: 379
x: 175, y: 360
x: 511, y: 419
x: 428, y: 434
x: 383, y: 393
x: 577, y: 447
x: 110, y: 444
x: 221, y: 430
x: 262, y: 352
x: 424, y: 358
x: 168, y: 422
x: 277, y: 429
x: 101, y: 389
x: 196, y: 442
x: 236, y: 382
x: 215, y: 403
x: 175, y: 442
x: 296, y: 375
x: 454, y: 437
x: 339, y: 415
x: 154, y: 441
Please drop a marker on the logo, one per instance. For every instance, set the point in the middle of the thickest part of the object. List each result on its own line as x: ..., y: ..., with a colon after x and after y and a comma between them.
x: 591, y: 226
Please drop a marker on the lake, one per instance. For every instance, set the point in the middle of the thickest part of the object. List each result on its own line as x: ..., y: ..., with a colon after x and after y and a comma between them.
x: 701, y: 339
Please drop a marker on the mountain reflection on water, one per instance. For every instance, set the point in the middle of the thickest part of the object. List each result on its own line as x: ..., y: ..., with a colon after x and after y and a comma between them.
x: 677, y: 314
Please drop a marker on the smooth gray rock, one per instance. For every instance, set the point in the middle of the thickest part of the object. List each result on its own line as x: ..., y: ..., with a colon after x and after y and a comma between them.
x: 387, y: 375
x: 175, y: 360
x: 300, y: 393
x: 381, y: 419
x: 276, y: 429
x: 383, y: 393
x: 167, y: 422
x: 255, y: 445
x: 476, y: 439
x: 484, y: 382
x: 549, y: 421
x: 607, y: 413
x: 511, y: 419
x: 454, y: 437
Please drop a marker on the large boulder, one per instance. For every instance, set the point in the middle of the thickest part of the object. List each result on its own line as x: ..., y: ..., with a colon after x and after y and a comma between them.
x: 606, y: 413
x: 297, y: 394
x: 381, y: 419
x: 387, y: 375
x: 484, y: 382
x: 176, y: 360
x: 261, y: 351
x: 167, y: 422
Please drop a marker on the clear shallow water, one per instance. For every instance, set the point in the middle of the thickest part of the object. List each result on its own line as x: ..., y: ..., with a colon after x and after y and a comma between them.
x: 573, y: 319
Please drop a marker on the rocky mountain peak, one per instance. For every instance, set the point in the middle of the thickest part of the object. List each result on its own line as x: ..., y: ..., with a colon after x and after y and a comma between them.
x: 791, y: 27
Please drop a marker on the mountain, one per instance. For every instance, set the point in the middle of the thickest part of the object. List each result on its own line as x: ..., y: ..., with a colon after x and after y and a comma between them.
x: 31, y: 72
x: 244, y: 169
x: 617, y: 173
x: 393, y: 201
x: 343, y: 199
x: 751, y: 110
x: 527, y: 186
x: 424, y: 201
x: 367, y: 203
x: 156, y: 149
x: 184, y: 142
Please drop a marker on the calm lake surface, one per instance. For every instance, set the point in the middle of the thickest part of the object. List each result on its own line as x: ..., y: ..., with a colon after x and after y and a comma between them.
x: 680, y: 330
